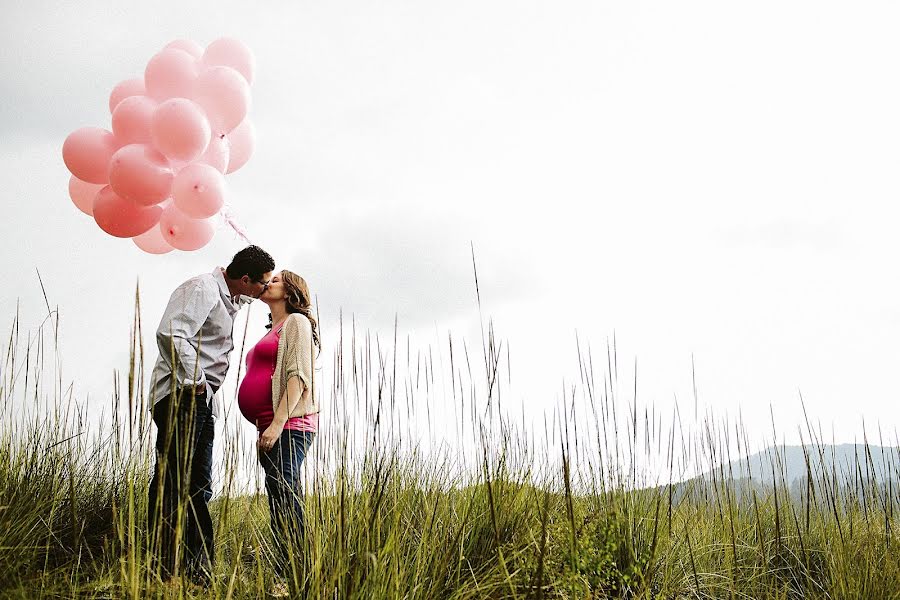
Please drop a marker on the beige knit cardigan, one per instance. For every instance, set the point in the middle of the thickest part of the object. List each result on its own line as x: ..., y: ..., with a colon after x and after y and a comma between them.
x: 295, y: 359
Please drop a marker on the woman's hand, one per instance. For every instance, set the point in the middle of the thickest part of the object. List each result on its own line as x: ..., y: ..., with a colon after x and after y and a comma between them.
x: 268, y: 437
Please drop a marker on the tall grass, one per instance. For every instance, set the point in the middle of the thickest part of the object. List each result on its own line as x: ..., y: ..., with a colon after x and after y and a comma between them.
x: 423, y: 484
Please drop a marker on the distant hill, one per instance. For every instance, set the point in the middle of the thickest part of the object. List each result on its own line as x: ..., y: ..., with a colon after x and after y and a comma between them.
x: 791, y: 463
x: 851, y: 466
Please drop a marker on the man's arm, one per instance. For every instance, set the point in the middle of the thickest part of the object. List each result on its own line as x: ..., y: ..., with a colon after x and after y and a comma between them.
x: 177, y: 335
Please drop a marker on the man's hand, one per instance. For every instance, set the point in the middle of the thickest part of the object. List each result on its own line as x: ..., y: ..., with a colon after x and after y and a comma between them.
x: 193, y: 392
x: 268, y: 437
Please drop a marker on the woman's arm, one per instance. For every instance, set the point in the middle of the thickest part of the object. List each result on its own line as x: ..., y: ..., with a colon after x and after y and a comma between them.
x: 289, y: 401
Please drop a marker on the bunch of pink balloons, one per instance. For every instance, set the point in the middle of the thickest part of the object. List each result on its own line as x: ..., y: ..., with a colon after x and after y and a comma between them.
x: 159, y: 176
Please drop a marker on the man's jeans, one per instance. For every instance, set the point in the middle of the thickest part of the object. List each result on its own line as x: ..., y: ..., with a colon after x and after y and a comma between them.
x: 282, y: 467
x: 181, y: 486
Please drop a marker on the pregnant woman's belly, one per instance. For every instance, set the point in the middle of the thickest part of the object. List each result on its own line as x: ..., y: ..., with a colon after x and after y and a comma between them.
x: 255, y: 402
x: 255, y: 399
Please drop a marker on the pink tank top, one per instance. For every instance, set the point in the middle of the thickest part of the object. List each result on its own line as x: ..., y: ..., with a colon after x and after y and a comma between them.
x: 255, y: 393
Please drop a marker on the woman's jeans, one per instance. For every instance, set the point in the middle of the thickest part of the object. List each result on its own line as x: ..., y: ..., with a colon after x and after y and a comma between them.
x: 180, y: 489
x: 282, y: 467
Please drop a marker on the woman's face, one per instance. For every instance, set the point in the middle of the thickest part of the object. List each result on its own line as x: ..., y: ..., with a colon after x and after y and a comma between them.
x: 275, y: 290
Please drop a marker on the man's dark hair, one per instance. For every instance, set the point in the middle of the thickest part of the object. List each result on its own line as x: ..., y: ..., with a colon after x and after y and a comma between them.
x: 252, y: 261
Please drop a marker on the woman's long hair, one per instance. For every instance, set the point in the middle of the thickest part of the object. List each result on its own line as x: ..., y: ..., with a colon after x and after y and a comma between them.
x: 298, y: 301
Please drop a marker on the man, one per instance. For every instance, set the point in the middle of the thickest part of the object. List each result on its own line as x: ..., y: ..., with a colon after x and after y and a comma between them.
x: 195, y: 341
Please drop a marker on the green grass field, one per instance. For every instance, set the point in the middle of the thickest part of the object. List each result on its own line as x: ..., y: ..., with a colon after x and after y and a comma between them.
x: 592, y: 507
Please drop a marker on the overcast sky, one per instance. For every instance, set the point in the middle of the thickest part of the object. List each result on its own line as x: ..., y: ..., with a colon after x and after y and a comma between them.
x: 706, y: 179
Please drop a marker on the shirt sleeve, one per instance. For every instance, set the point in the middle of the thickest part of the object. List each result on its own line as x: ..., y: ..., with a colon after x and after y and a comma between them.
x: 177, y: 335
x: 298, y: 349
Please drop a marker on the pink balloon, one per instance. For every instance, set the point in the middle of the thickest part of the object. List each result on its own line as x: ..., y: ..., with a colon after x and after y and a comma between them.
x: 170, y: 74
x: 183, y: 232
x: 242, y: 139
x: 131, y: 119
x: 126, y: 89
x: 228, y: 52
x: 225, y: 96
x: 217, y: 153
x: 140, y: 174
x: 83, y: 193
x: 180, y: 129
x: 152, y: 241
x: 87, y: 151
x: 199, y: 191
x: 189, y: 46
x: 122, y: 218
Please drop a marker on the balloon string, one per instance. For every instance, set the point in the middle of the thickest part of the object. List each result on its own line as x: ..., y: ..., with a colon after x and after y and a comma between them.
x: 232, y: 222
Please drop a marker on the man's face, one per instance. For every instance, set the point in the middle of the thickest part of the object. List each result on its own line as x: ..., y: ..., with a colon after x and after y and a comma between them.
x: 255, y: 287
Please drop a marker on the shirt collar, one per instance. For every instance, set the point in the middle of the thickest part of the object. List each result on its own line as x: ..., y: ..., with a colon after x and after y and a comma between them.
x: 239, y: 300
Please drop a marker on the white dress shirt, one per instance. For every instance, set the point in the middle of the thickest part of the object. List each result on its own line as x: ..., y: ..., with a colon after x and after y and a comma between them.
x: 196, y: 330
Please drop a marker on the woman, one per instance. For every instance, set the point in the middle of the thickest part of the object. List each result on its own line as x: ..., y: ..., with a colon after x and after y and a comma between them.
x: 277, y: 395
